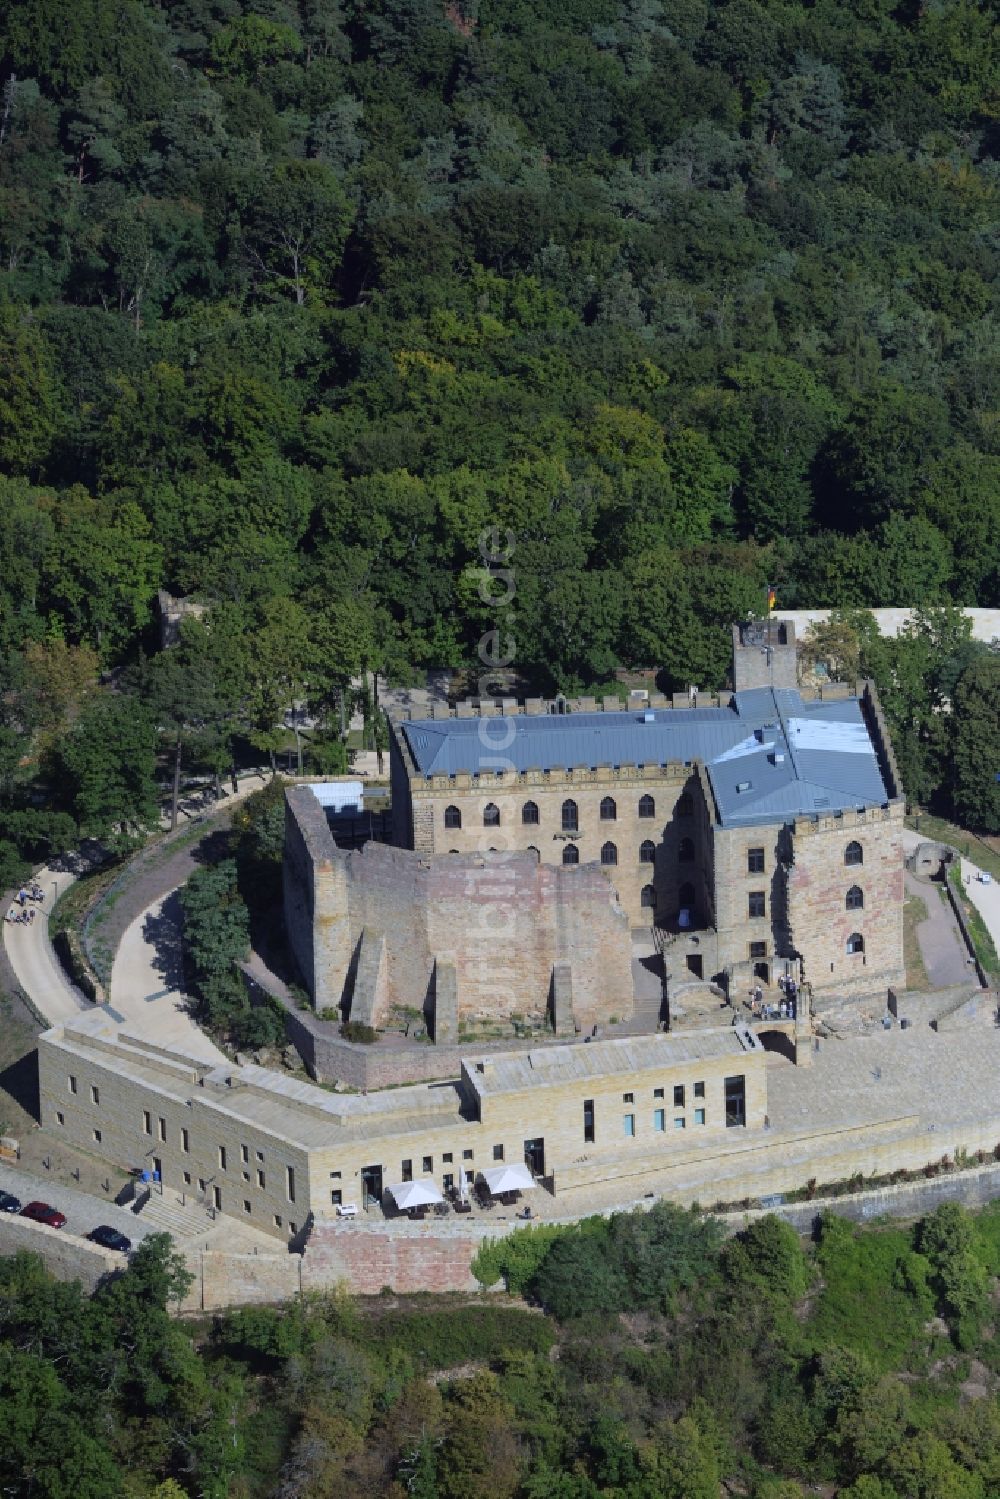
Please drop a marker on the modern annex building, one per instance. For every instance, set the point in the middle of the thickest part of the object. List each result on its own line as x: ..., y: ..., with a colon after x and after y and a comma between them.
x: 759, y: 831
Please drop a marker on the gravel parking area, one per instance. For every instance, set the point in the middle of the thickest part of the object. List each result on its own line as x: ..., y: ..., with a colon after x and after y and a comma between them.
x: 83, y: 1212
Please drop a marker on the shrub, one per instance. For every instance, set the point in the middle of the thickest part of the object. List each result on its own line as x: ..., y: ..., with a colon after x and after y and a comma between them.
x: 448, y: 1338
x: 355, y: 1030
x: 517, y: 1258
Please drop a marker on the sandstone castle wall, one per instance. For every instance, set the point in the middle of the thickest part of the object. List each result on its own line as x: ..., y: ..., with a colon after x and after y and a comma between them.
x: 380, y: 922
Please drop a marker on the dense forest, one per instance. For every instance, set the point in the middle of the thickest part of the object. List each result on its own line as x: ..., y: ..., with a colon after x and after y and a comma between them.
x: 655, y: 1361
x: 301, y: 298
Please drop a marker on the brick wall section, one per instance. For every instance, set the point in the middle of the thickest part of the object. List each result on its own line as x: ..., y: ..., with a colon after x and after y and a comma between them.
x: 368, y: 1259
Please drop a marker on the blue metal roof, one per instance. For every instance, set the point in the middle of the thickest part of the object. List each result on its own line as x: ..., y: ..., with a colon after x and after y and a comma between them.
x: 770, y: 756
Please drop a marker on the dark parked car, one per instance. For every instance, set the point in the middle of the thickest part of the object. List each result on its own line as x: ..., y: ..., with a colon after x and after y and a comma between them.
x: 9, y: 1203
x: 110, y: 1238
x: 40, y: 1212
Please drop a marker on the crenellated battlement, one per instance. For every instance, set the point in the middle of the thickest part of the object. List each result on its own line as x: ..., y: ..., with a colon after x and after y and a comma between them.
x: 539, y: 707
x: 674, y: 772
x: 832, y: 822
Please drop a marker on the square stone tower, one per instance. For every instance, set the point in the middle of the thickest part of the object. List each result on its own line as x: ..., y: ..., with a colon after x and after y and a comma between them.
x: 764, y: 654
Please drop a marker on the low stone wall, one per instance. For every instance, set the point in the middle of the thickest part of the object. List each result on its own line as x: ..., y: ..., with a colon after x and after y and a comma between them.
x: 330, y: 1059
x: 65, y: 1256
x: 909, y: 1200
x: 225, y: 1280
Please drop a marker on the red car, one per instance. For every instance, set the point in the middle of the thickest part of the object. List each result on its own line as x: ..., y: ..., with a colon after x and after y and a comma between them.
x: 40, y: 1212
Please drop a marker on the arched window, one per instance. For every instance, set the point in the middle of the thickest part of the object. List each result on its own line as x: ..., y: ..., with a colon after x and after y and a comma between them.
x: 571, y: 854
x: 648, y: 898
x: 491, y: 815
x: 609, y: 854
x: 532, y: 850
x: 855, y: 898
x: 854, y: 854
x: 529, y: 814
x: 452, y: 817
x: 685, y: 850
x: 685, y: 806
x: 609, y: 810
x: 647, y: 806
x: 855, y: 942
x: 647, y: 852
x: 570, y: 818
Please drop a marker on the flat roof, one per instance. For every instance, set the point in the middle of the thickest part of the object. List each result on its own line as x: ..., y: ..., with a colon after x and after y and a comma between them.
x: 517, y: 1072
x: 771, y: 755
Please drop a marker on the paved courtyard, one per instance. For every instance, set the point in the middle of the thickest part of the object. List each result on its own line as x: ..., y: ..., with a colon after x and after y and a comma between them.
x: 945, y: 956
x: 945, y: 1078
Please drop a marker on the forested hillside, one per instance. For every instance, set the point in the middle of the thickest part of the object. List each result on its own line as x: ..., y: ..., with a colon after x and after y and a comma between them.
x: 297, y: 298
x: 668, y: 1366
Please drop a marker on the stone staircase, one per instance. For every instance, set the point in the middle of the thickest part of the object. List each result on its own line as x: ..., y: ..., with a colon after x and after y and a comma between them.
x: 167, y: 1214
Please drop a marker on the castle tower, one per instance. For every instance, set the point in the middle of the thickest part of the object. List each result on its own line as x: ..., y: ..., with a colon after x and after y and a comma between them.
x: 764, y: 654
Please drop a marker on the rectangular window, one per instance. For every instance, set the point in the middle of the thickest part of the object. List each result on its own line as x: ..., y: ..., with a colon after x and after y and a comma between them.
x: 246, y: 1176
x: 71, y: 1080
x: 588, y: 1121
x: 260, y: 1155
x: 468, y: 1155
x: 202, y: 1184
x: 245, y: 1153
x: 217, y: 1198
x: 222, y: 1158
x: 498, y: 1152
x: 736, y: 1116
x: 678, y: 1095
x: 758, y: 950
x: 277, y: 1220
x: 290, y: 1183
x: 680, y: 1122
x: 407, y: 1171
x: 292, y: 1229
x: 628, y: 1124
x: 659, y: 1120
x: 448, y: 1182
x: 147, y: 1122
x: 699, y: 1090
x: 185, y: 1140
x: 335, y: 1176
x: 336, y: 1196
x: 755, y: 861
x: 699, y: 1116
x: 187, y: 1178
x: 628, y: 1098
x: 427, y: 1165
x: 658, y: 1092
x: 447, y: 1158
x: 260, y: 1181
x: 95, y: 1093
x: 756, y: 904
x: 246, y: 1205
x: 162, y: 1126
x: 60, y: 1118
x: 97, y: 1136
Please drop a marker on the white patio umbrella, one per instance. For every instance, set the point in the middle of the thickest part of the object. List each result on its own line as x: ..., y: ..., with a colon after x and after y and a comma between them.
x: 416, y: 1194
x: 509, y: 1179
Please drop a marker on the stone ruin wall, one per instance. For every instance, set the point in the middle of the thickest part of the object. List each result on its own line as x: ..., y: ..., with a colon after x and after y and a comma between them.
x: 503, y: 923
